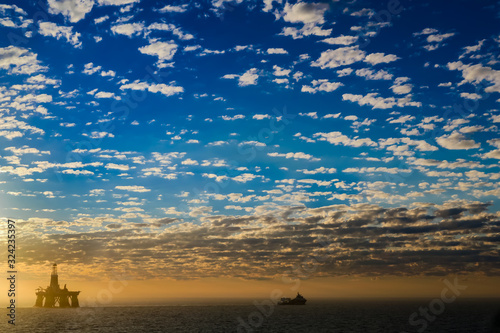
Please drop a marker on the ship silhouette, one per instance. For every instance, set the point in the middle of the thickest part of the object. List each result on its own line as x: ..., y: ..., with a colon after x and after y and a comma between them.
x: 55, y: 297
x: 299, y: 300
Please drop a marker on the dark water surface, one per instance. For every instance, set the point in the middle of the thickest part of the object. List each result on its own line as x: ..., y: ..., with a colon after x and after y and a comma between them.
x: 341, y: 316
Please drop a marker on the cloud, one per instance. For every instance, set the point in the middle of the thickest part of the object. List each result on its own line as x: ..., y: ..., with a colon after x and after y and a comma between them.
x: 473, y: 96
x: 113, y: 166
x: 321, y: 85
x: 75, y: 10
x: 337, y: 138
x: 17, y: 60
x: 321, y: 170
x: 172, y: 28
x: 167, y: 90
x: 475, y: 74
x: 341, y: 40
x: 58, y: 32
x: 89, y: 69
x: 173, y: 9
x: 492, y: 154
x: 295, y: 156
x: 302, y: 12
x: 235, y: 117
x: 25, y: 150
x: 116, y: 2
x: 456, y: 141
x: 278, y: 71
x: 378, y: 58
x: 370, y: 74
x: 402, y: 119
x: 165, y: 51
x: 433, y: 38
x: 248, y: 78
x: 135, y: 188
x: 42, y: 79
x: 246, y: 177
x: 438, y: 38
x: 339, y: 57
x: 128, y: 29
x: 278, y: 50
x: 306, y: 30
x: 378, y: 102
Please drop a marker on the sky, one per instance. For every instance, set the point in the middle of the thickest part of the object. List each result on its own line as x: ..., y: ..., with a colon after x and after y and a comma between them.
x: 252, y: 141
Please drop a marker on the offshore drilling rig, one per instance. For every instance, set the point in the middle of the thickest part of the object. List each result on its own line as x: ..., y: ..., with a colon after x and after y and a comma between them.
x: 54, y: 296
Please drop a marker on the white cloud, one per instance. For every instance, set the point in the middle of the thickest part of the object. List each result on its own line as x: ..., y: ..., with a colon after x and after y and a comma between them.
x: 295, y: 156
x: 128, y: 29
x: 31, y: 98
x: 278, y: 71
x: 101, y: 19
x: 306, y: 30
x: 402, y: 119
x: 42, y: 79
x: 337, y: 138
x: 105, y: 94
x: 341, y: 40
x: 165, y: 51
x: 492, y: 154
x: 456, y: 141
x: 58, y: 32
x: 99, y: 135
x: 426, y: 31
x: 248, y: 78
x: 235, y: 117
x: 89, y: 69
x: 305, y: 12
x: 313, y: 115
x: 172, y: 28
x: 402, y: 89
x: 378, y: 58
x: 108, y: 73
x: 261, y: 116
x: 438, y: 38
x: 167, y: 90
x: 321, y: 85
x: 173, y: 9
x: 370, y: 74
x: 470, y: 96
x: 113, y: 166
x: 75, y: 10
x: 77, y: 172
x: 246, y: 177
x: 368, y: 12
x: 134, y: 188
x: 25, y: 150
x: 116, y: 2
x: 189, y: 161
x: 378, y: 102
x: 278, y: 50
x: 339, y: 57
x: 321, y: 170
x: 472, y: 49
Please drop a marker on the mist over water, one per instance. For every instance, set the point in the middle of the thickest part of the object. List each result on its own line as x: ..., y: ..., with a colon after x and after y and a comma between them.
x: 342, y: 316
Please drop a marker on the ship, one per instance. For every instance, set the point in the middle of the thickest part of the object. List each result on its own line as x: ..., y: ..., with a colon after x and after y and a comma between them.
x: 299, y: 300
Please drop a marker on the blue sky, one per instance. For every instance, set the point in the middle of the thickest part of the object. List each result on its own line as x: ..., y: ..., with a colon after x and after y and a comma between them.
x: 134, y: 119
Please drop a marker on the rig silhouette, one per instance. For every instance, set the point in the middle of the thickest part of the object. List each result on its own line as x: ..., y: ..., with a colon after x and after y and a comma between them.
x: 53, y: 296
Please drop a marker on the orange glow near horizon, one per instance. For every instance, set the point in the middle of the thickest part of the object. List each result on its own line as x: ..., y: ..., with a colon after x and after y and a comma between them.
x: 177, y: 292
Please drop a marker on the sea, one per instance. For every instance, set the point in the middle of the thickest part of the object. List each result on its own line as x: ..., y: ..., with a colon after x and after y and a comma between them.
x: 263, y: 316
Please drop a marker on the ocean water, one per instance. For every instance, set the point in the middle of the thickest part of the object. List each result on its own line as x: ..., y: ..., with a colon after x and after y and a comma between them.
x: 342, y: 316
